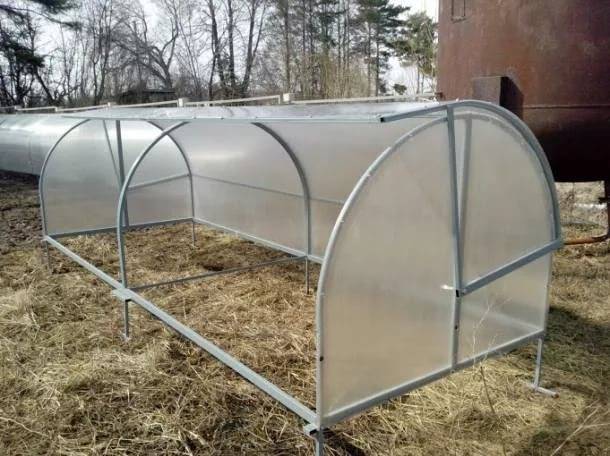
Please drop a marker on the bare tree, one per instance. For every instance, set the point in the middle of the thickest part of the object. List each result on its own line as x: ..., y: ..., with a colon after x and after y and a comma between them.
x: 151, y: 56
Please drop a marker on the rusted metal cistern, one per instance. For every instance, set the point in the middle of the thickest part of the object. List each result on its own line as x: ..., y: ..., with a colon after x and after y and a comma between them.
x: 548, y: 61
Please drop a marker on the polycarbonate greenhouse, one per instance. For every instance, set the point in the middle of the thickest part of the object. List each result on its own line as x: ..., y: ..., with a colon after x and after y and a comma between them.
x: 434, y: 225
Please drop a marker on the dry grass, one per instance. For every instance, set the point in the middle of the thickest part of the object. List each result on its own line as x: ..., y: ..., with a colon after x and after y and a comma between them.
x: 70, y: 385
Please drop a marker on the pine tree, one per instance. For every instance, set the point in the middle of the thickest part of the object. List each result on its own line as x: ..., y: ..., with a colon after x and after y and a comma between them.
x: 18, y: 30
x: 380, y: 24
x: 417, y: 46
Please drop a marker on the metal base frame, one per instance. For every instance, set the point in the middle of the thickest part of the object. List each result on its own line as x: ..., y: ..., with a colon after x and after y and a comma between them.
x: 129, y: 296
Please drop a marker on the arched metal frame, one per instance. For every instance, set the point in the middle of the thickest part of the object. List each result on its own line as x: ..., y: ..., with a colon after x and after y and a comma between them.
x: 315, y: 421
x: 167, y: 132
x: 44, y: 168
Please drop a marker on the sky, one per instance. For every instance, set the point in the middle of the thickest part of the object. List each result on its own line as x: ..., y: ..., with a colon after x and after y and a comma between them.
x: 429, y: 6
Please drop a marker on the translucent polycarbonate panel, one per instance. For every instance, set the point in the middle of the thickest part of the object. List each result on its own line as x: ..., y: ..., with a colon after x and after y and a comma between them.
x: 239, y: 153
x: 462, y: 129
x: 507, y: 208
x: 323, y: 217
x: 323, y: 148
x: 353, y: 112
x: 507, y: 309
x: 46, y: 130
x: 271, y: 216
x: 25, y: 140
x: 137, y: 136
x: 156, y: 192
x: 15, y: 144
x: 385, y: 308
x: 160, y: 202
x: 80, y: 186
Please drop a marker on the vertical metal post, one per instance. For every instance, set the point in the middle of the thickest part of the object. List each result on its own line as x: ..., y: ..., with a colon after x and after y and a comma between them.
x: 307, y: 275
x: 119, y: 148
x: 47, y: 255
x: 190, y: 172
x: 457, y: 237
x: 319, y: 443
x: 126, y: 319
x: 124, y: 219
x: 535, y: 385
x: 192, y: 189
x: 538, y: 369
x: 306, y: 194
x: 41, y: 181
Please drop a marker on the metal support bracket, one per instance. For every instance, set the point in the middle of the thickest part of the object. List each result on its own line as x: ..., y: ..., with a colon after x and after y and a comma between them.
x: 535, y: 385
x: 312, y: 431
x: 125, y: 300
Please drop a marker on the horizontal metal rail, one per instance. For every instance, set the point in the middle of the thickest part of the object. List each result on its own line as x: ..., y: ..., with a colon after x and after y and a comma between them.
x: 510, y: 267
x: 144, y: 105
x: 161, y: 180
x: 234, y: 100
x: 363, y: 99
x: 228, y: 101
x: 217, y: 273
x: 256, y: 240
x: 84, y: 108
x: 84, y: 263
x: 270, y: 190
x: 256, y: 379
x: 384, y: 396
x: 113, y: 228
x: 42, y: 108
x: 248, y: 237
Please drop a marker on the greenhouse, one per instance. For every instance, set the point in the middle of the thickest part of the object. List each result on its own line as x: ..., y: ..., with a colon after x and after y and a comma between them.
x: 434, y: 225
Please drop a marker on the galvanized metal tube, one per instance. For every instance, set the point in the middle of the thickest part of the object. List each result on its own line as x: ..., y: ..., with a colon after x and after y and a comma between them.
x: 456, y: 237
x: 535, y: 385
x: 123, y: 197
x: 322, y: 421
x: 84, y: 263
x: 384, y: 396
x: 217, y: 273
x: 305, y: 186
x: 257, y: 380
x: 189, y: 168
x: 119, y: 148
x: 126, y: 319
x: 514, y: 121
x: 43, y: 170
x: 509, y: 267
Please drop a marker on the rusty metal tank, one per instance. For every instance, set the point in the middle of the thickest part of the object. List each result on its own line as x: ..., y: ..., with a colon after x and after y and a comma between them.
x: 546, y: 60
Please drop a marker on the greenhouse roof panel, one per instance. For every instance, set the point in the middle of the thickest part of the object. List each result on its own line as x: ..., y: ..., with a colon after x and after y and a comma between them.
x: 357, y: 112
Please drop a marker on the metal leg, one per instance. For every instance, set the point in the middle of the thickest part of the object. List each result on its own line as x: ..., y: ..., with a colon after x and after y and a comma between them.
x: 317, y: 435
x: 307, y: 275
x: 193, y: 232
x: 538, y: 373
x: 47, y: 255
x: 319, y: 442
x: 126, y: 319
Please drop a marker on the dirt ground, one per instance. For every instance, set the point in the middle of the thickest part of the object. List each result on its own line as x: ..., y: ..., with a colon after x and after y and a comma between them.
x: 70, y: 385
